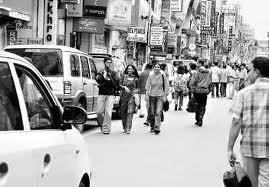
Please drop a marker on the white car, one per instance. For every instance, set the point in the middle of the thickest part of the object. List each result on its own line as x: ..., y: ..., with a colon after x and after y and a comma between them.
x: 39, y: 145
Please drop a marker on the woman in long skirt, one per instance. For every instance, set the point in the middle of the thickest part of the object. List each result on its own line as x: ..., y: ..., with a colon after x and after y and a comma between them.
x: 129, y: 98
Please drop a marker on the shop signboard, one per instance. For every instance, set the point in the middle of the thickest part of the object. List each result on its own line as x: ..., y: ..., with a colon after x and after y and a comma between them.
x: 221, y: 23
x: 137, y: 34
x: 176, y: 5
x: 172, y: 40
x: 24, y: 31
x: 91, y: 25
x: 96, y: 2
x: 74, y: 10
x: 29, y: 41
x: 156, y: 36
x: 94, y: 11
x: 71, y: 1
x: 120, y: 13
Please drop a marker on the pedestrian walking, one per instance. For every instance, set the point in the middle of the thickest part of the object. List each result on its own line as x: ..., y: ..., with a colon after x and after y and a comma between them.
x: 192, y: 71
x: 223, y: 80
x: 156, y: 90
x: 108, y: 83
x: 200, y: 88
x: 231, y: 75
x: 250, y: 110
x: 243, y: 75
x: 215, y: 79
x: 179, y: 84
x: 142, y: 90
x: 129, y: 99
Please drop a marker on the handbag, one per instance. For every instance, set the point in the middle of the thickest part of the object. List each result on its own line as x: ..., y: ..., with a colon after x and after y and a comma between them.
x: 236, y: 177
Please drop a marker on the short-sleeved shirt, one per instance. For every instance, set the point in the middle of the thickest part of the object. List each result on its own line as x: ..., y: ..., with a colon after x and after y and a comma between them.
x: 251, y: 105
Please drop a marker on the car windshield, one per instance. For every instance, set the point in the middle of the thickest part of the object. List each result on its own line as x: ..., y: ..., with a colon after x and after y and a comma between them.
x: 47, y: 61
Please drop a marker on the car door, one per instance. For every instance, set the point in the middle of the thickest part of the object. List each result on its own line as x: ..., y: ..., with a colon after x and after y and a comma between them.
x: 15, y: 142
x: 95, y: 85
x: 53, y: 152
x: 87, y: 83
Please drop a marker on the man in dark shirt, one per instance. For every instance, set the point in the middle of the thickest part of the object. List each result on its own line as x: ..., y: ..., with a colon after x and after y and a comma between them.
x: 108, y: 84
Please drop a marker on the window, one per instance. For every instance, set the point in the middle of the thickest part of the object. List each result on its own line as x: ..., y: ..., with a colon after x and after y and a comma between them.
x: 10, y: 114
x: 47, y: 61
x: 85, y: 67
x: 37, y: 105
x: 93, y: 69
x: 74, y: 64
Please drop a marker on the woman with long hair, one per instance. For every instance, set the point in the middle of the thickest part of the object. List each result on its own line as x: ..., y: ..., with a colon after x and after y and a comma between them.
x: 129, y: 97
x: 156, y: 90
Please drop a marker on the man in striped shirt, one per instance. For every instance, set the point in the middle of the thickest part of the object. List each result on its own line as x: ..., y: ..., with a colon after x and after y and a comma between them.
x: 250, y: 112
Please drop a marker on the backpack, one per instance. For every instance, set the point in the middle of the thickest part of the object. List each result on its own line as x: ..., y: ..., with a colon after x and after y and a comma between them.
x: 179, y: 83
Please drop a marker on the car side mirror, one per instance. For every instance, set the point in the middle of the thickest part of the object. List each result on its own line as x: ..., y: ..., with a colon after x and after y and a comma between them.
x: 74, y: 115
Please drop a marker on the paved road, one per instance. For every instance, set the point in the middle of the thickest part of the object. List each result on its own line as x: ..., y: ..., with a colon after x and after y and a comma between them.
x: 183, y: 155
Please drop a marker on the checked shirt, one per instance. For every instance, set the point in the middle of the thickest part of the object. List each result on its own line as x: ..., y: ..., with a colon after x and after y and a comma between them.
x: 251, y: 105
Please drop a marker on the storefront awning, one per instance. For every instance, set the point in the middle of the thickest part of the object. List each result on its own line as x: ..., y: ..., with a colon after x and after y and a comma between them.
x: 8, y: 12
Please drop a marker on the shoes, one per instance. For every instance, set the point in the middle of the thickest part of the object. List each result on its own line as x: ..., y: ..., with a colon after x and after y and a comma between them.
x: 106, y: 132
x: 175, y: 107
x: 141, y: 116
x: 151, y: 130
x: 179, y: 108
x: 199, y: 124
x: 157, y: 131
x: 128, y: 132
x: 146, y: 123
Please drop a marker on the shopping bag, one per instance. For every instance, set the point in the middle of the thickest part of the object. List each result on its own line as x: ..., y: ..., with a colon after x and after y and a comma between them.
x: 166, y: 105
x: 192, y: 105
x: 236, y: 177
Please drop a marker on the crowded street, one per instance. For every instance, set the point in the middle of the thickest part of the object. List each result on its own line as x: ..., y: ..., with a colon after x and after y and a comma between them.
x: 182, y: 155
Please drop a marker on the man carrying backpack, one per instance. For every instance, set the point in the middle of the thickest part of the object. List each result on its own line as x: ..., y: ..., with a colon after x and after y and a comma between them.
x: 200, y: 87
x: 179, y: 84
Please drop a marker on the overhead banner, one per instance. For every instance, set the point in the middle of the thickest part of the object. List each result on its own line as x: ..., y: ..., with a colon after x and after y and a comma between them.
x: 120, y: 12
x: 176, y: 5
x: 91, y: 25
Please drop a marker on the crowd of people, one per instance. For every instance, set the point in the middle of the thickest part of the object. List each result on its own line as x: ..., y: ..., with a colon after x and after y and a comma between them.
x: 149, y: 89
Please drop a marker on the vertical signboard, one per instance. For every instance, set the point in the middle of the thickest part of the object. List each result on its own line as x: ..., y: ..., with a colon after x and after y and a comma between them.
x: 208, y: 13
x: 230, y: 40
x: 221, y: 23
x: 156, y: 36
x: 50, y: 23
x: 203, y: 12
x: 165, y: 13
x: 12, y: 37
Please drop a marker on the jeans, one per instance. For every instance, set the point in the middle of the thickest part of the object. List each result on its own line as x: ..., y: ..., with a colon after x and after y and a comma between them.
x: 216, y: 85
x: 223, y: 87
x: 156, y: 108
x: 257, y: 170
x: 104, y: 111
x: 179, y: 96
x: 201, y: 100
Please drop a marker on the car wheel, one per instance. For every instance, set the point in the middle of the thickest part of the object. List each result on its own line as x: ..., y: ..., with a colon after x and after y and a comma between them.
x: 80, y: 127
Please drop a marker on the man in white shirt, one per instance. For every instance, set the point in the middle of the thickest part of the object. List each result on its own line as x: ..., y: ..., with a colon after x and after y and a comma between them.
x: 215, y: 79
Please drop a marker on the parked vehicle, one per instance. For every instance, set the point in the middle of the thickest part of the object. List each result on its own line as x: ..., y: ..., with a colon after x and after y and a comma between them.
x: 118, y: 66
x: 39, y: 145
x: 70, y: 72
